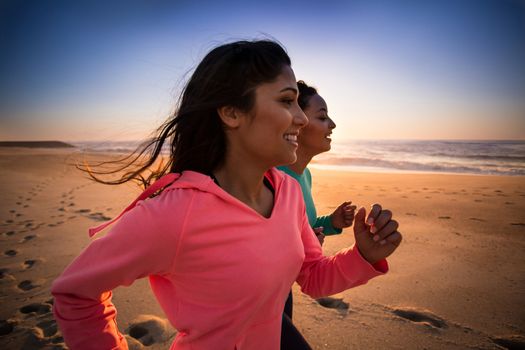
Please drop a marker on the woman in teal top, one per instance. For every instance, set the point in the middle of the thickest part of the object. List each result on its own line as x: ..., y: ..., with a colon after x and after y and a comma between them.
x: 314, y: 139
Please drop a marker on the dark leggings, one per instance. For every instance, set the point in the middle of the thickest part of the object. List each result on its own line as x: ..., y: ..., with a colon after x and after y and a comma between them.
x: 291, y: 338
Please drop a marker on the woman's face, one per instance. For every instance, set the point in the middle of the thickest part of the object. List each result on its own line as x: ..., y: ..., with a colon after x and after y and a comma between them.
x: 268, y: 133
x: 315, y: 137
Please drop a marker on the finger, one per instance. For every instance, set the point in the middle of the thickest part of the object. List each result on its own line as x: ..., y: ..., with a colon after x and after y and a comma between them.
x: 374, y: 212
x: 350, y: 208
x: 360, y: 225
x: 343, y: 205
x: 349, y: 219
x: 387, y: 230
x: 350, y: 213
x: 383, y: 218
x: 395, y: 239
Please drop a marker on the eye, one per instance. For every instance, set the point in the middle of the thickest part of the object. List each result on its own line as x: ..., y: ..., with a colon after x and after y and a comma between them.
x: 287, y: 101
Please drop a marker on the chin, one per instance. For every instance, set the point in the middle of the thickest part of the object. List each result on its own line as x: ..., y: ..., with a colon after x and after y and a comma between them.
x: 326, y: 148
x: 289, y: 160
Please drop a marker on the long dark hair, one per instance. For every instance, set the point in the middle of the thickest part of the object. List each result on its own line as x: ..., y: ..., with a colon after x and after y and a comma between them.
x: 227, y: 76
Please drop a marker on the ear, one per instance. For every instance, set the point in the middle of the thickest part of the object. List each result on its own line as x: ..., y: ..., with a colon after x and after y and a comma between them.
x: 230, y: 116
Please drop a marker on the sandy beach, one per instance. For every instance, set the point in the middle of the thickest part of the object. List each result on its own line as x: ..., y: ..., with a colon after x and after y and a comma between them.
x: 456, y: 282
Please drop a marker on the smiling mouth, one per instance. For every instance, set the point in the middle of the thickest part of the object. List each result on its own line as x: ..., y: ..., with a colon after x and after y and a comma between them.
x: 291, y: 138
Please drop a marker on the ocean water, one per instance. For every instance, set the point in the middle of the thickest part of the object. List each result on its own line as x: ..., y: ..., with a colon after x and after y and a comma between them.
x: 464, y: 157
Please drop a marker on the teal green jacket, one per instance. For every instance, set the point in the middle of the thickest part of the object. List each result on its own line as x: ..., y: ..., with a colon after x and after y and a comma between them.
x: 305, y: 180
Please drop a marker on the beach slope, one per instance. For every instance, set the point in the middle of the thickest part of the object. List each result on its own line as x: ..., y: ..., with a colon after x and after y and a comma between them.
x: 456, y: 282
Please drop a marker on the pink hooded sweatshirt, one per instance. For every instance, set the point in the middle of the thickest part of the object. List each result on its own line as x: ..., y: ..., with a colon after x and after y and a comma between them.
x: 220, y: 271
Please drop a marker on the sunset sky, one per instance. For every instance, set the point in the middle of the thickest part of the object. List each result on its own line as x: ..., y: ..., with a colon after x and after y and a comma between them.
x: 392, y: 69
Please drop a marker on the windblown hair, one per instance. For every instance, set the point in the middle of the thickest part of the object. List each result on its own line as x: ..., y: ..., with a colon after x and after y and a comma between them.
x: 227, y: 76
x: 305, y: 93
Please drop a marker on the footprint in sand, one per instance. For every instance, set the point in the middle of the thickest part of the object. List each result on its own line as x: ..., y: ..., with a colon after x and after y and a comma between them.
x: 476, y: 219
x: 517, y: 224
x: 36, y: 339
x: 48, y: 327
x: 444, y: 217
x: 29, y: 263
x: 149, y: 330
x: 424, y: 317
x: 11, y: 252
x: 36, y: 308
x: 411, y: 214
x: 83, y: 211
x: 27, y: 285
x: 509, y: 203
x: 510, y: 342
x: 5, y: 276
x: 333, y: 303
x: 98, y: 217
x: 8, y: 233
x: 28, y: 238
x: 133, y: 344
x: 6, y: 326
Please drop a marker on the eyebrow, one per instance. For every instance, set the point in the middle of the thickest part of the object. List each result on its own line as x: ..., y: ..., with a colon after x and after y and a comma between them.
x: 289, y: 89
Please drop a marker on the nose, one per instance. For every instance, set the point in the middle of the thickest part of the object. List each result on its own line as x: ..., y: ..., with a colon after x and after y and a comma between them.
x: 300, y: 118
x: 331, y: 125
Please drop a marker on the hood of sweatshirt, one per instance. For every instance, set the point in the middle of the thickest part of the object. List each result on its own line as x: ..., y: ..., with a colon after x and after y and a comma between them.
x: 190, y: 180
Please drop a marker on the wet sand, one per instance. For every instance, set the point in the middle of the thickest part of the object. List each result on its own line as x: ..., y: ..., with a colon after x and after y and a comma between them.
x: 456, y: 282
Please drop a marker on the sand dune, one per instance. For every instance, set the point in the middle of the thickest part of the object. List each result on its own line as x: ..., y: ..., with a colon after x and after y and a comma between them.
x: 457, y: 281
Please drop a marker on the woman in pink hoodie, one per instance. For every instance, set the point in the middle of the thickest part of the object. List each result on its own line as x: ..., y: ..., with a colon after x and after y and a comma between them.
x: 228, y: 234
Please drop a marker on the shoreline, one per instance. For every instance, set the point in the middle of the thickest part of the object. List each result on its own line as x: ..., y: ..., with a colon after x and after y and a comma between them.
x: 380, y: 170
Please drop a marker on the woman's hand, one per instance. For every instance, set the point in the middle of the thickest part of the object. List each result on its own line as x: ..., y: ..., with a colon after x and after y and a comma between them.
x: 378, y: 237
x: 319, y: 234
x: 343, y: 216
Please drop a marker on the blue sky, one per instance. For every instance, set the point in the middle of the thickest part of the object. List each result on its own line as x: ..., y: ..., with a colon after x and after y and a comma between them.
x: 388, y: 69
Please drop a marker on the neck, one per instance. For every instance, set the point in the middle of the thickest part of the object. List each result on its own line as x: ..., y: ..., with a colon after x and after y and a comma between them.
x: 241, y: 180
x: 303, y: 159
